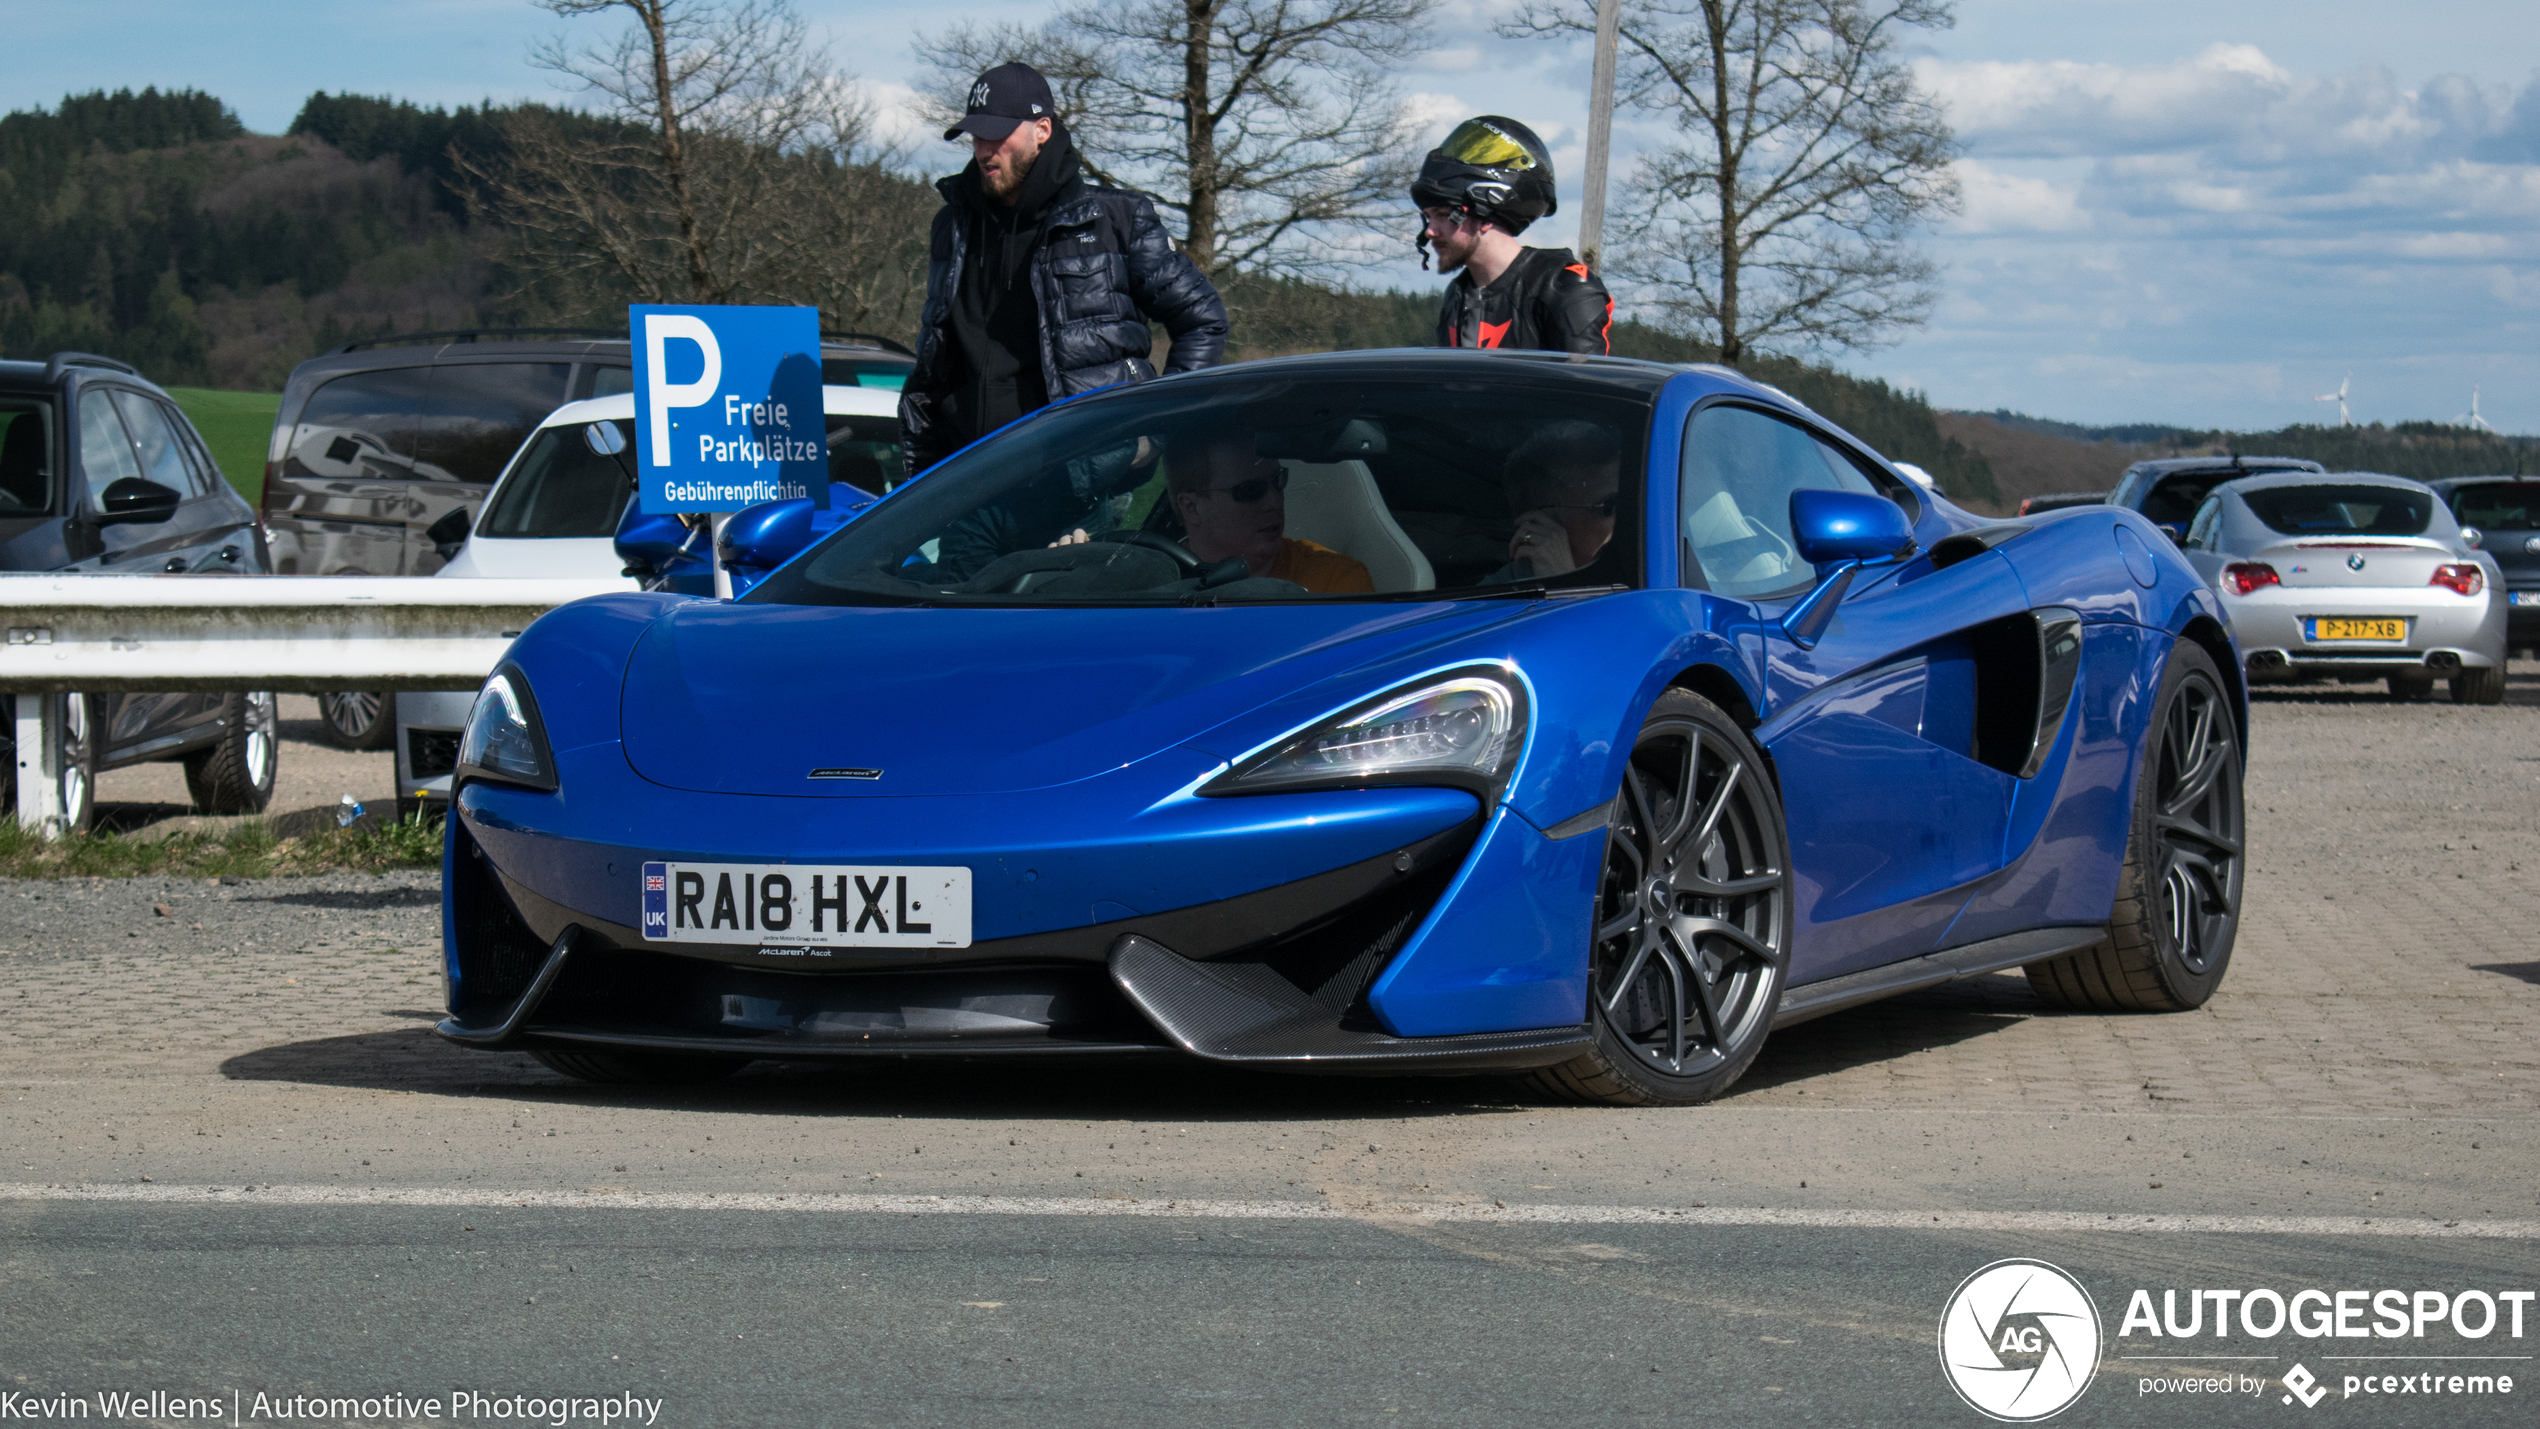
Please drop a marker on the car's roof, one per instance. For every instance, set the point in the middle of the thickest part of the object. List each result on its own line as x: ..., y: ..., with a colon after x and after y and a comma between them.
x: 2274, y: 480
x: 22, y: 374
x: 2454, y: 483
x: 2166, y: 466
x: 835, y: 401
x: 1417, y: 363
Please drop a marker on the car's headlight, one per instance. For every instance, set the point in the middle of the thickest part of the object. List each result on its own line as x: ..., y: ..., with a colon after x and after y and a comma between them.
x: 504, y: 740
x: 1462, y: 727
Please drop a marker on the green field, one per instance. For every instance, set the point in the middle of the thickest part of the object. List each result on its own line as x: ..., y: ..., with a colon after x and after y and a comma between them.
x: 236, y: 426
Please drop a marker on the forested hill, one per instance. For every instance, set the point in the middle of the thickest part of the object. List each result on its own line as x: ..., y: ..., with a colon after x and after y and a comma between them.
x: 154, y: 228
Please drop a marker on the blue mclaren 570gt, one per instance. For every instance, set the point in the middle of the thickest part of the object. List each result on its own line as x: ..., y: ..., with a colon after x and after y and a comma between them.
x: 1575, y: 718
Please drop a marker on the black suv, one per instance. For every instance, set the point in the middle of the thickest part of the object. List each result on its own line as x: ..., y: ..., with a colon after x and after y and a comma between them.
x: 2168, y: 491
x: 100, y: 473
x: 2505, y: 511
x: 384, y: 449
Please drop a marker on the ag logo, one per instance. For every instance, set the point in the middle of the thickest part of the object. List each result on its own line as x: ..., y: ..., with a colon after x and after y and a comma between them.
x: 2019, y: 1341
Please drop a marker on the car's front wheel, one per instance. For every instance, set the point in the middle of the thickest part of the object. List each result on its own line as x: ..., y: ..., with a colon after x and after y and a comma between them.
x: 1692, y: 936
x: 2178, y: 895
x: 640, y: 1068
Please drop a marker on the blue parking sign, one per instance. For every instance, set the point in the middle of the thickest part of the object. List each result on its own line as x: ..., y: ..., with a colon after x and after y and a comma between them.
x: 727, y: 407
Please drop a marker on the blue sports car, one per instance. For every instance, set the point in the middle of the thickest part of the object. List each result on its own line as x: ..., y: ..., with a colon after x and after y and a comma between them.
x: 1575, y: 718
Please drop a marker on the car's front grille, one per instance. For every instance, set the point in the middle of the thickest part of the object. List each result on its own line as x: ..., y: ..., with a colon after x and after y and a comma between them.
x: 431, y: 753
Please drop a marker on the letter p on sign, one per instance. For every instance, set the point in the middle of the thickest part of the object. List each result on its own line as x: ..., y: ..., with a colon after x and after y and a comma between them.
x: 659, y: 330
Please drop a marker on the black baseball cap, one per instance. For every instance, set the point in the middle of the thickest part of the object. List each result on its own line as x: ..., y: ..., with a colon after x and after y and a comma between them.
x: 1004, y: 97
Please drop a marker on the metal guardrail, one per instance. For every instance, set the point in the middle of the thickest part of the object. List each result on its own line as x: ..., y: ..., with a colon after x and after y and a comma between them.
x: 308, y: 634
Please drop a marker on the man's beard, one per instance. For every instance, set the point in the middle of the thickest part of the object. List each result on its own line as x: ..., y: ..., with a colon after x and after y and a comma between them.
x: 1011, y: 181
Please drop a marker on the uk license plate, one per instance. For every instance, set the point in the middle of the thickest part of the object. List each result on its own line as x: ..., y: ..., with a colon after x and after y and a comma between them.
x: 795, y: 904
x: 2327, y: 629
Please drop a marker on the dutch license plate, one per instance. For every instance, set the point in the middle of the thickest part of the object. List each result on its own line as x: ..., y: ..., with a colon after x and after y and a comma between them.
x: 2359, y: 630
x: 2524, y: 597
x: 821, y: 905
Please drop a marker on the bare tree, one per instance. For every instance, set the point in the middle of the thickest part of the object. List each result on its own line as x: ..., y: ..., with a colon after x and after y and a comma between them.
x: 1805, y: 156
x: 1270, y: 126
x: 725, y: 161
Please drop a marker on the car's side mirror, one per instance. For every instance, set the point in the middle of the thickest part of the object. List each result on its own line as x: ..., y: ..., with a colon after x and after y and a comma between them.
x: 767, y: 535
x: 760, y: 538
x: 2472, y: 537
x: 2177, y: 534
x: 449, y: 533
x: 650, y: 542
x: 1839, y: 532
x: 136, y: 500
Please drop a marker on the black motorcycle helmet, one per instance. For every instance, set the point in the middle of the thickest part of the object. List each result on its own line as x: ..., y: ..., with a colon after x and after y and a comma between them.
x: 1492, y: 168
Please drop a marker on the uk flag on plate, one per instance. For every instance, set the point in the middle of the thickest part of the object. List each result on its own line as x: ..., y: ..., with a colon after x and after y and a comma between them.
x: 656, y: 900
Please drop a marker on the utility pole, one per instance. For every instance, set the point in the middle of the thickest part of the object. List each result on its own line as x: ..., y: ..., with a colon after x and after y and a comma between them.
x: 1600, y: 135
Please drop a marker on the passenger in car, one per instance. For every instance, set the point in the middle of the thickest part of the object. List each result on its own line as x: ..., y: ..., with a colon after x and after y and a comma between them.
x: 1233, y: 503
x: 1561, y: 482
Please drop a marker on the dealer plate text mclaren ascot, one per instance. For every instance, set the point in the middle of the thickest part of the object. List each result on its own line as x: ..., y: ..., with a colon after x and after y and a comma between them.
x: 837, y: 905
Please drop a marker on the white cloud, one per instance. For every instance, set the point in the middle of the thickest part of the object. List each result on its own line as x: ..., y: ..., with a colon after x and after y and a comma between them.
x: 1996, y: 200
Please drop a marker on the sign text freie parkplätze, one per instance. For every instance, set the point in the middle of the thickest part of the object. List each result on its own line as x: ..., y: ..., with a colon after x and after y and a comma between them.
x: 727, y: 407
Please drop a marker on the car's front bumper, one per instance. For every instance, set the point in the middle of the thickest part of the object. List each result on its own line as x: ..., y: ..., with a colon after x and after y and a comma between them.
x: 1403, y: 929
x: 2274, y: 627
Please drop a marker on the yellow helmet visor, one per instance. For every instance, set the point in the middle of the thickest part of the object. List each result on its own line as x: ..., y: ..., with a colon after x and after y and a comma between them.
x: 1485, y: 147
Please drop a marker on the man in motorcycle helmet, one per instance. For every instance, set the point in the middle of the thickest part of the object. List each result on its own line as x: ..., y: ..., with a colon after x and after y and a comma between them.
x: 1477, y: 192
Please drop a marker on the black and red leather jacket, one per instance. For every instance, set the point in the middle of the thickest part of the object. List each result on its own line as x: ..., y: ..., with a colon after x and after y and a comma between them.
x: 1547, y: 300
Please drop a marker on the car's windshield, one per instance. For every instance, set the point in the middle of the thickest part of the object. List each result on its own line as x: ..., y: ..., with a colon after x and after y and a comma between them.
x: 565, y: 484
x: 2498, y: 505
x: 1263, y: 487
x: 2342, y: 510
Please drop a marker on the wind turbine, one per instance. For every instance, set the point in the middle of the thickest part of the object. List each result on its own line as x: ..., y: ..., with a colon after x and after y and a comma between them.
x: 2471, y: 418
x: 2339, y: 397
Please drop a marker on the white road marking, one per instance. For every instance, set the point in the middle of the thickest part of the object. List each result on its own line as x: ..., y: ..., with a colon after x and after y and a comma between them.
x: 1459, y: 1212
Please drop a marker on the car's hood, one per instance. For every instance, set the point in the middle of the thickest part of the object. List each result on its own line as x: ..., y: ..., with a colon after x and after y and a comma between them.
x: 750, y: 699
x: 592, y: 557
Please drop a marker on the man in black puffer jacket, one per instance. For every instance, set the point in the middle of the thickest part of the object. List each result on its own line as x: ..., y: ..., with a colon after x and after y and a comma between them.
x: 1040, y: 285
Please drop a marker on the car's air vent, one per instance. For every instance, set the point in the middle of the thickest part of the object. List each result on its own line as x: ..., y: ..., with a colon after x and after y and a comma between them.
x: 1967, y: 545
x: 431, y: 753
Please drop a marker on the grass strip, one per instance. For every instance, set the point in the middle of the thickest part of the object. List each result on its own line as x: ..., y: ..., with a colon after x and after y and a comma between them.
x: 248, y: 851
x: 236, y: 426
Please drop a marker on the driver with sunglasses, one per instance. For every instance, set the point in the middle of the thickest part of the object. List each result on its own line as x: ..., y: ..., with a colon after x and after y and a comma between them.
x: 1233, y: 503
x: 1477, y: 192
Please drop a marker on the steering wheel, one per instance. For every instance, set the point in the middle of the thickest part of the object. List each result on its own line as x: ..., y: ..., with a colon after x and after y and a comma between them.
x: 1184, y: 563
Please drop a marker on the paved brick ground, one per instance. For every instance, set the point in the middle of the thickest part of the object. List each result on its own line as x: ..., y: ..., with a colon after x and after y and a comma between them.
x: 2385, y: 964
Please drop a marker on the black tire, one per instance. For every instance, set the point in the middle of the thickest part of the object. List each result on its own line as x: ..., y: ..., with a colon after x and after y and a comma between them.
x: 2178, y: 895
x: 1691, y: 939
x: 236, y: 775
x: 655, y: 1069
x: 2479, y: 687
x: 359, y: 719
x: 2411, y: 687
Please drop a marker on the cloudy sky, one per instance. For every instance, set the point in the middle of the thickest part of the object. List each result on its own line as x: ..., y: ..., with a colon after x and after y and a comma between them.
x: 2189, y: 211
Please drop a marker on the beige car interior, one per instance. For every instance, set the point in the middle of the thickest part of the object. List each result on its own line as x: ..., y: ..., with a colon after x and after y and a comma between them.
x: 1336, y: 504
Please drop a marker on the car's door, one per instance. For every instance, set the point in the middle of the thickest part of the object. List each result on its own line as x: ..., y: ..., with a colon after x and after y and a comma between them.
x: 1874, y: 732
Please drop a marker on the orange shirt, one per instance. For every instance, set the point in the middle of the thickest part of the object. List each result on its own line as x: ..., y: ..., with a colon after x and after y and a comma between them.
x: 1319, y: 569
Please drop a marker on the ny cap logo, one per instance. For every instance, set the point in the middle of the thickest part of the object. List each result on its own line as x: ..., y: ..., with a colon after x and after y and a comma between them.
x: 979, y: 95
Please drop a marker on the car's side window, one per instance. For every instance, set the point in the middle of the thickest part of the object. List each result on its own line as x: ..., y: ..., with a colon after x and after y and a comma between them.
x: 1740, y: 467
x: 105, y: 453
x: 162, y: 451
x: 360, y: 427
x: 481, y: 412
x: 2200, y: 532
x: 26, y: 457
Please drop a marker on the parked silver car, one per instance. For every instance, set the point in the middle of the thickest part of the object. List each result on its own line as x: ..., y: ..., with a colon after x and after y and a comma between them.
x: 2353, y: 573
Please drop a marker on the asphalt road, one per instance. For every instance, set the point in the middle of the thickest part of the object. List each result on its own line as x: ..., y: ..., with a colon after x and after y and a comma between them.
x: 239, y: 1162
